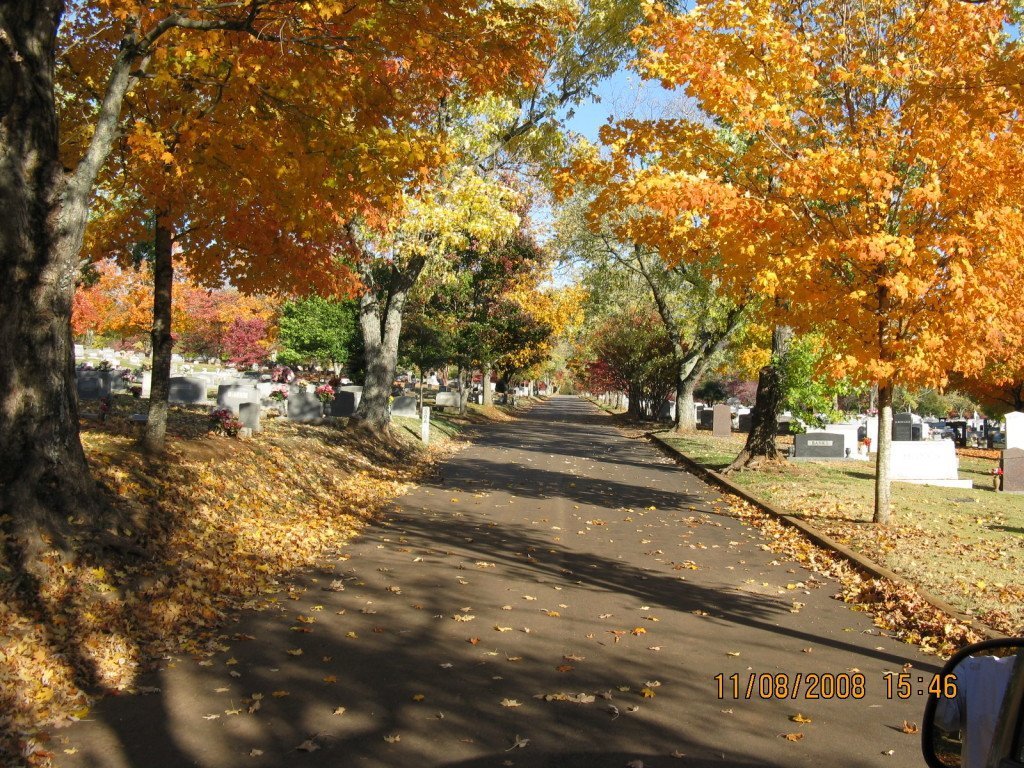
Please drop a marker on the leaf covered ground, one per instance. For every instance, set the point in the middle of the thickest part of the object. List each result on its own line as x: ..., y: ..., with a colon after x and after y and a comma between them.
x: 217, y: 525
x: 964, y: 546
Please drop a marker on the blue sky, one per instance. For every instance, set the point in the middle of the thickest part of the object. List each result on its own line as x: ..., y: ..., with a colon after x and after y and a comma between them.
x: 622, y: 95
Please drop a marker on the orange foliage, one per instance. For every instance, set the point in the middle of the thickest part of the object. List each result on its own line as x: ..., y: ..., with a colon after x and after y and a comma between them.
x: 867, y: 176
x: 257, y: 150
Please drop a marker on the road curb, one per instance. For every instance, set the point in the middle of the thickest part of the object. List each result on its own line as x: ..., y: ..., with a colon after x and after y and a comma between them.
x: 859, y: 561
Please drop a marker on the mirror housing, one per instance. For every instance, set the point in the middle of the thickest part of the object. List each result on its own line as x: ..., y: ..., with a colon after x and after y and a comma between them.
x: 973, y: 718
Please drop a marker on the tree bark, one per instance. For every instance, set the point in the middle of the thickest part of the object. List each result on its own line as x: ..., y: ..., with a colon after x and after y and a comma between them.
x: 380, y: 322
x: 44, y: 476
x: 760, y: 445
x: 488, y: 396
x: 162, y: 341
x: 883, y: 481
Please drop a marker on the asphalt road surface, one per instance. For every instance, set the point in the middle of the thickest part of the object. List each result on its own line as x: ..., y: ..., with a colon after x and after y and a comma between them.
x: 553, y: 558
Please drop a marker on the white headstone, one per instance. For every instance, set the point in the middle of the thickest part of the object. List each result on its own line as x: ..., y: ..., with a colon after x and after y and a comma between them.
x: 872, y: 427
x: 849, y: 433
x: 425, y: 425
x: 147, y: 383
x: 1014, y: 430
x: 926, y: 463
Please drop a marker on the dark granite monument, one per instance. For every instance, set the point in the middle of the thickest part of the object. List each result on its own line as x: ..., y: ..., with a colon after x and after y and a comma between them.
x: 1011, y: 462
x: 902, y: 427
x: 819, y: 445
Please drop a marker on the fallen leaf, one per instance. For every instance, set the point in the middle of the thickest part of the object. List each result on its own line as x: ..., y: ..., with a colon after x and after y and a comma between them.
x: 308, y: 746
x: 392, y: 738
x: 909, y: 727
x: 295, y: 652
x: 510, y: 703
x: 792, y: 736
x: 518, y: 744
x: 799, y: 718
x: 338, y: 711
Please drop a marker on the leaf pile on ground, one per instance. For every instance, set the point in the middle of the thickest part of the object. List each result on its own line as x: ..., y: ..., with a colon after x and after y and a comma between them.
x: 217, y: 523
x: 959, y: 544
x: 896, y: 608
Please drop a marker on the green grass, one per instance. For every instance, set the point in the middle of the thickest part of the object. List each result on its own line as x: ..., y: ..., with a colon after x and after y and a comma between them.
x: 963, y: 545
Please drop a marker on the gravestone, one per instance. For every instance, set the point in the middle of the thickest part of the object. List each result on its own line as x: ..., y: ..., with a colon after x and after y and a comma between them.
x: 147, y: 383
x: 304, y: 406
x: 745, y: 422
x: 849, y: 433
x: 931, y: 462
x: 871, y: 428
x: 186, y: 389
x: 446, y: 400
x: 1011, y: 462
x: 425, y: 425
x: 233, y: 395
x: 707, y: 418
x: 92, y: 385
x: 902, y: 427
x: 722, y: 421
x: 249, y: 415
x: 345, y: 402
x: 1014, y: 430
x: 784, y: 425
x: 406, y: 406
x: 667, y: 410
x: 819, y: 445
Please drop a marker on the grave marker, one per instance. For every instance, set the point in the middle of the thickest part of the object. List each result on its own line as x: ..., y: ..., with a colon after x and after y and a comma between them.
x: 819, y: 445
x: 186, y: 389
x: 902, y: 427
x: 249, y: 415
x: 1011, y: 462
x: 304, y: 406
x: 404, y: 406
x: 721, y: 420
x: 1014, y: 430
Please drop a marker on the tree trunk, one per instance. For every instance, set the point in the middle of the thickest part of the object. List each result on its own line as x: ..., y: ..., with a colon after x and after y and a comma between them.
x: 44, y: 476
x: 463, y: 390
x: 380, y: 321
x: 883, y: 483
x: 488, y: 399
x: 162, y: 341
x: 685, y: 420
x: 760, y: 445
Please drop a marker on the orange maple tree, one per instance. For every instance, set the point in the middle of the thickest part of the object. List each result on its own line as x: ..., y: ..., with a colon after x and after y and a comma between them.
x: 872, y: 156
x: 417, y: 51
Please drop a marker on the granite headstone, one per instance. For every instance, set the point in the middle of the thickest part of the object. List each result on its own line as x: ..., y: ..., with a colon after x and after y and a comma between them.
x: 722, y: 420
x: 1011, y: 462
x: 819, y: 445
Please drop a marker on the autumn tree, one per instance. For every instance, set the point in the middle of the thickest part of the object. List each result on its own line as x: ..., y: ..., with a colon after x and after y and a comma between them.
x: 699, y: 317
x: 46, y: 199
x: 462, y: 209
x: 876, y: 197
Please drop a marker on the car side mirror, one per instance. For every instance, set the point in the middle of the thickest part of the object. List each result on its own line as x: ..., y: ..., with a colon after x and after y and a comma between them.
x: 974, y: 713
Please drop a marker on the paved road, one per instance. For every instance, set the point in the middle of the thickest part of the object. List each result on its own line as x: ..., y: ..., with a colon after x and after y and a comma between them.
x: 554, y: 556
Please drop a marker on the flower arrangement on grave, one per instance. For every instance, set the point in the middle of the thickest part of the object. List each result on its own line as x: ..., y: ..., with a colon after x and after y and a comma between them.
x: 222, y: 420
x: 106, y: 365
x: 279, y: 393
x: 867, y: 443
x: 325, y: 392
x: 282, y: 374
x: 106, y: 406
